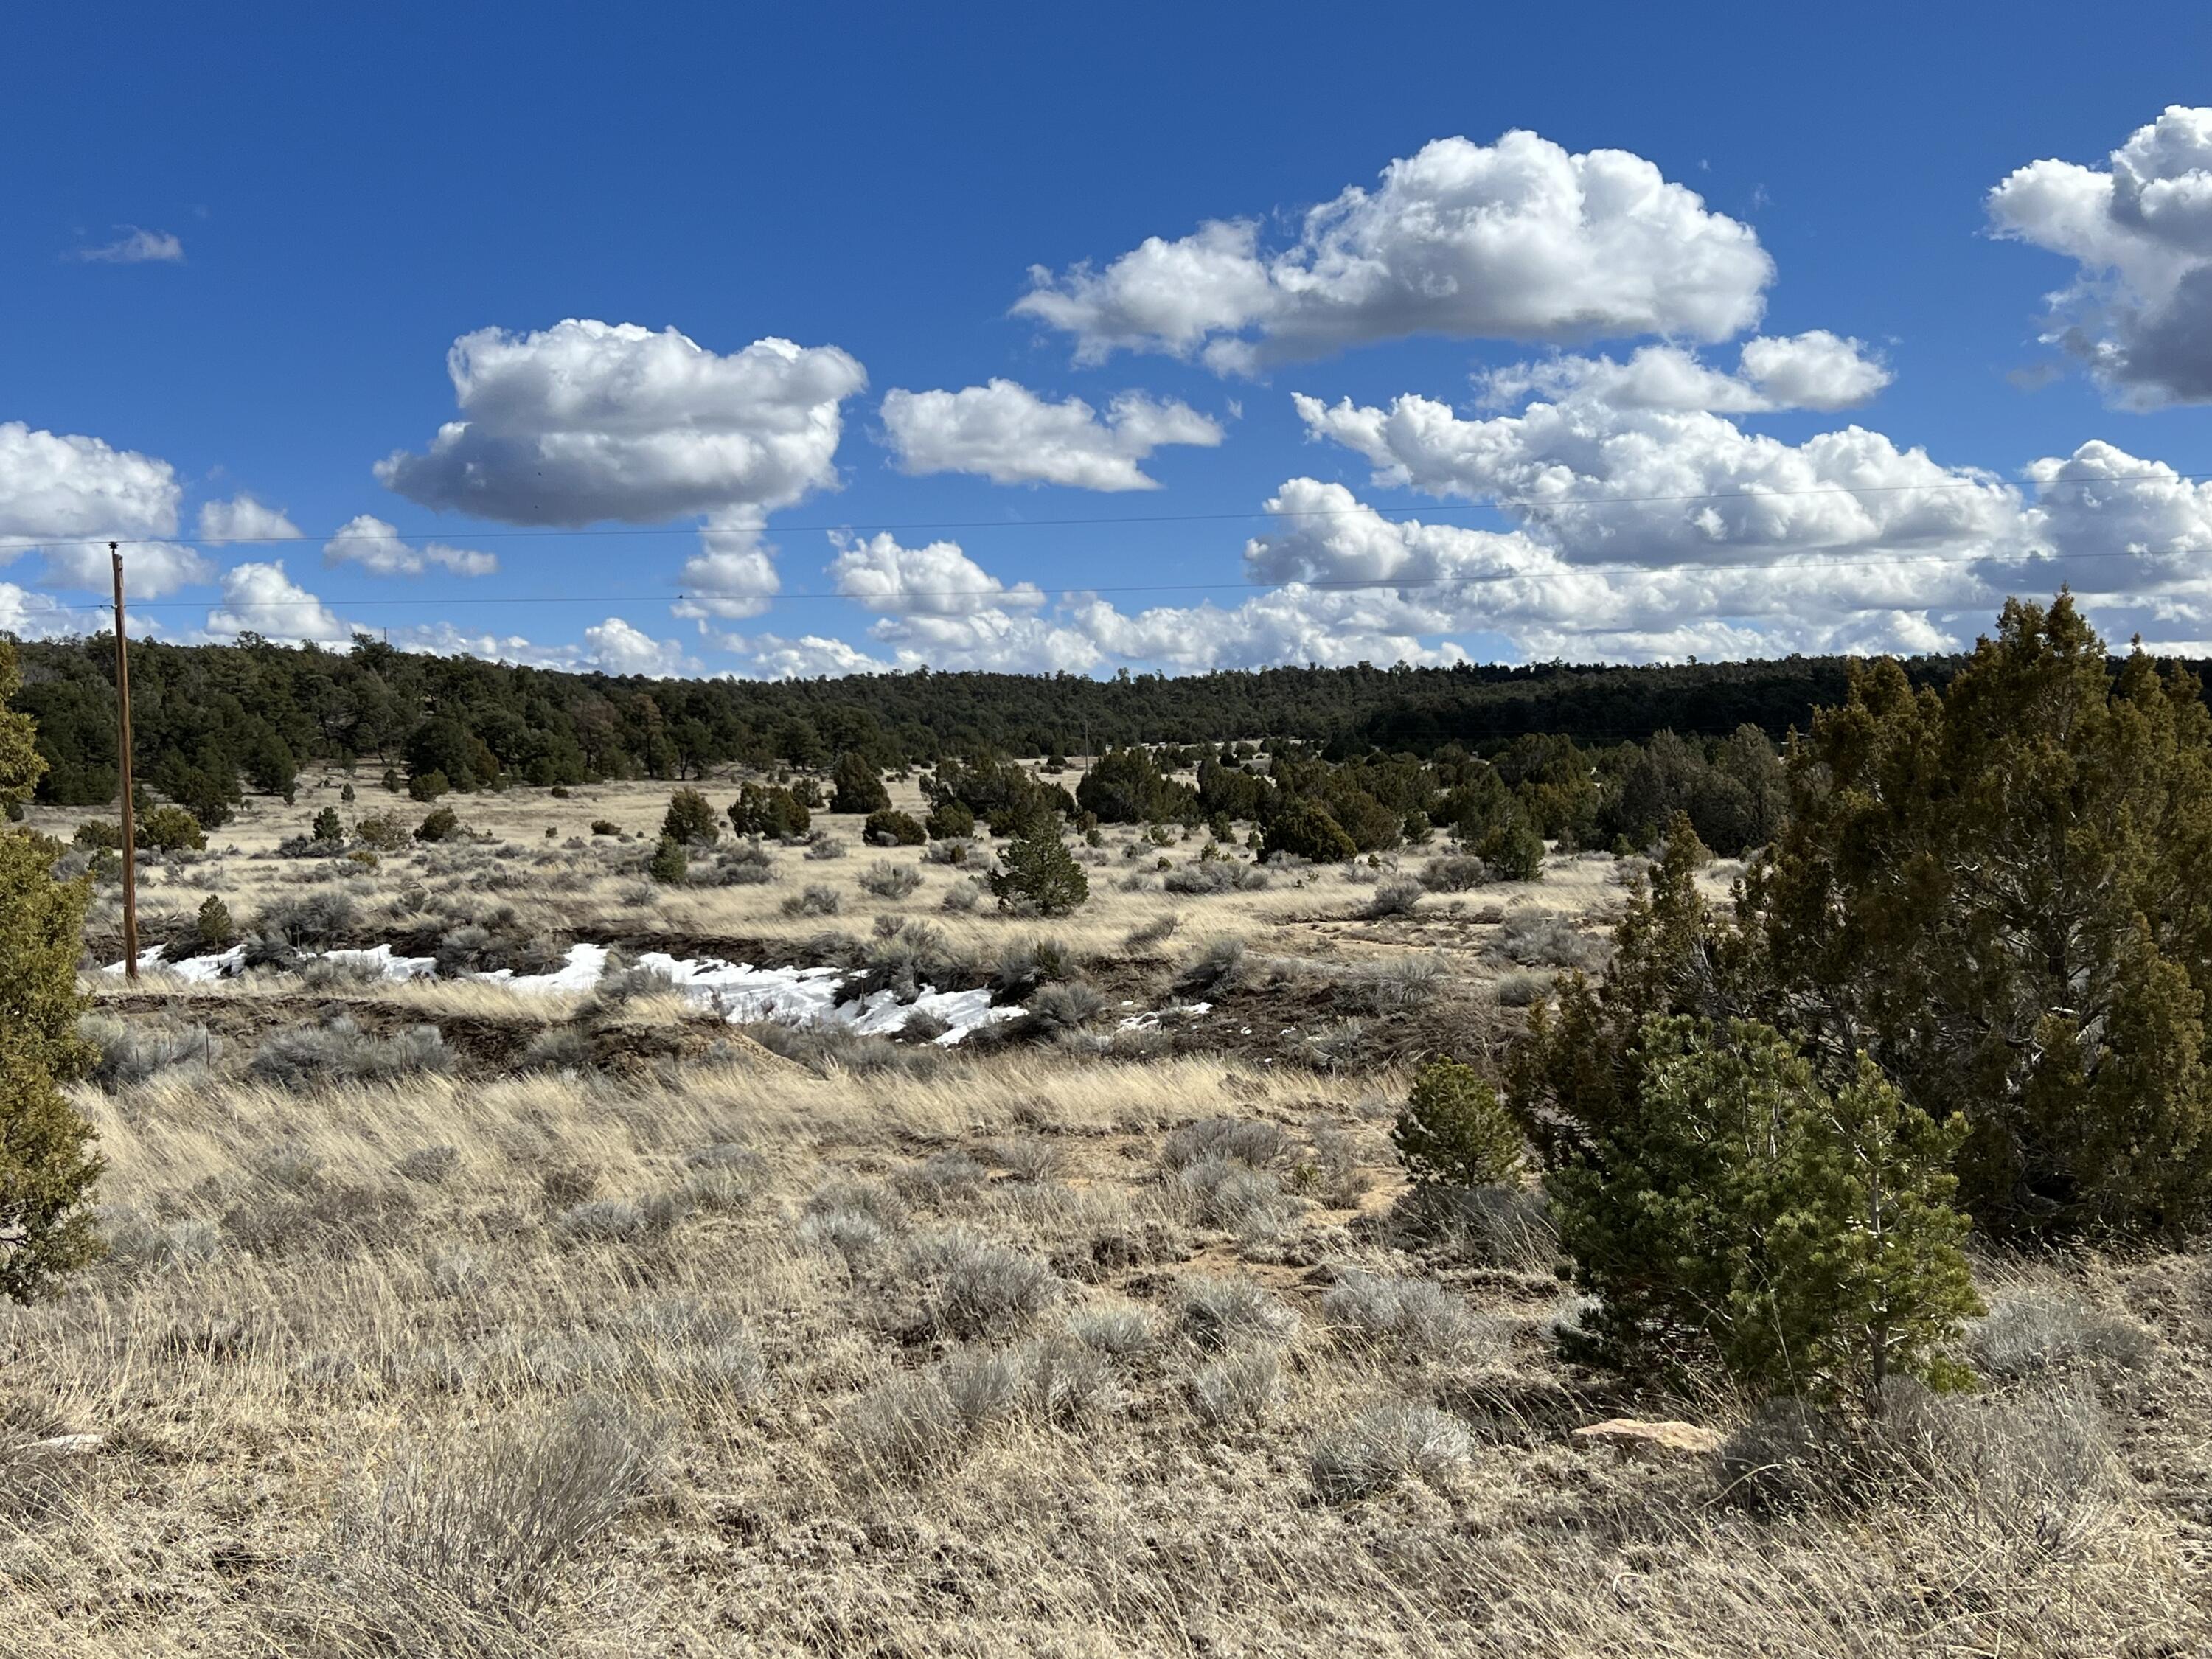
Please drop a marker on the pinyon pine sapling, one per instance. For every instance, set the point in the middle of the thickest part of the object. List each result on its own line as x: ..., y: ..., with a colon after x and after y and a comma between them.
x: 1454, y: 1130
x: 1037, y: 870
x: 1736, y: 1209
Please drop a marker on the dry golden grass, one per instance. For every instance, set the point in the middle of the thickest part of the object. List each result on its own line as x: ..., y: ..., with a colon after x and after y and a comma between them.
x: 696, y: 1350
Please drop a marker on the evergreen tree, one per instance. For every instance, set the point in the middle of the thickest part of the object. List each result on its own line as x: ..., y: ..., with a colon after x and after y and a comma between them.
x: 213, y: 927
x: 689, y: 821
x: 855, y: 786
x: 667, y: 863
x: 2003, y: 893
x: 1513, y: 850
x: 46, y: 1167
x: 1037, y: 872
x: 328, y: 826
x: 1453, y: 1132
x: 1735, y: 1209
x: 1304, y: 829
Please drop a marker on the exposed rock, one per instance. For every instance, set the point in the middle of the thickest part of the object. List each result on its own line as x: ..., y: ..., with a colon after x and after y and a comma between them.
x: 1635, y: 1436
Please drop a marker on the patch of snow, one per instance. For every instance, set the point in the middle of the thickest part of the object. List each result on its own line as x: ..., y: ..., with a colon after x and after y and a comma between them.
x: 1150, y: 1021
x: 737, y: 992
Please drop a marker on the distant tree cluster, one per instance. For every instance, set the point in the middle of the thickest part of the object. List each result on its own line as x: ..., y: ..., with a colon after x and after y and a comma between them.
x: 212, y: 721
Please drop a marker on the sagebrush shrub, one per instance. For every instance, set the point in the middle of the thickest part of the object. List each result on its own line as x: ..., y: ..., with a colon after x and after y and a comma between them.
x: 1219, y: 1313
x: 886, y: 880
x: 1385, y: 1445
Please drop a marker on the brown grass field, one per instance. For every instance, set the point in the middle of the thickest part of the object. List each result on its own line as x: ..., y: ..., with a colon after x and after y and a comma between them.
x: 592, y: 1325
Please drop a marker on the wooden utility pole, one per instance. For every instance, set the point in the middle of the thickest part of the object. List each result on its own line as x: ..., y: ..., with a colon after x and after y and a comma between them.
x: 123, y: 748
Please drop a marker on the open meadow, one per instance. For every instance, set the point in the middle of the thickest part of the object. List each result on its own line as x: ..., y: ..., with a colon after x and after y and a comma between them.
x: 450, y: 1316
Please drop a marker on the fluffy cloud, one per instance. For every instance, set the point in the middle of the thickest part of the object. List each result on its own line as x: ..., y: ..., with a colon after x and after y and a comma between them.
x: 934, y: 604
x: 2139, y: 312
x: 136, y: 247
x: 29, y: 616
x: 1620, y: 482
x: 733, y: 573
x: 939, y: 580
x: 1815, y: 370
x: 1008, y: 434
x: 242, y: 519
x: 54, y: 486
x: 69, y: 495
x: 811, y: 656
x: 616, y: 647
x: 587, y: 421
x: 260, y: 598
x: 150, y: 569
x: 1519, y: 239
x: 376, y: 547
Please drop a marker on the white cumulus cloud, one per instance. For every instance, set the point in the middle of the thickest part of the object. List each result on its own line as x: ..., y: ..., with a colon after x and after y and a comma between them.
x: 1008, y: 434
x: 1520, y: 239
x: 68, y: 496
x: 616, y: 646
x: 2139, y: 312
x: 588, y: 420
x: 242, y: 519
x: 1815, y: 370
x: 260, y: 598
x: 938, y: 579
x: 376, y: 547
x: 733, y: 573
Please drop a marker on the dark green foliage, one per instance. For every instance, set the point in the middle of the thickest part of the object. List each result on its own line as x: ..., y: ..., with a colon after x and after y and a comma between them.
x: 770, y: 810
x: 439, y: 823
x: 689, y: 821
x: 170, y: 830
x: 1305, y: 830
x: 1454, y: 1130
x: 1733, y: 1207
x: 46, y: 1167
x: 213, y: 927
x: 1126, y: 786
x: 390, y: 780
x: 1513, y: 850
x: 950, y: 820
x: 328, y: 825
x: 1037, y: 872
x: 2004, y: 893
x: 345, y: 794
x: 897, y: 828
x: 667, y: 863
x: 997, y: 790
x: 98, y: 835
x: 428, y: 785
x: 855, y: 788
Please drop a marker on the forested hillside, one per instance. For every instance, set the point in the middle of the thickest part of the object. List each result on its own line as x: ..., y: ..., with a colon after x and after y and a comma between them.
x: 210, y: 720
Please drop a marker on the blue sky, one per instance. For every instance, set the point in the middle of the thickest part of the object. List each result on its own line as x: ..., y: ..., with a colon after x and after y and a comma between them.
x: 1729, y: 349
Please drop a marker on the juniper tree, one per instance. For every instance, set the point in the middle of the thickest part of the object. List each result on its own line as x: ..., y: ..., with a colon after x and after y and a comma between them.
x: 2003, y: 893
x: 689, y: 821
x: 855, y: 788
x: 47, y: 1168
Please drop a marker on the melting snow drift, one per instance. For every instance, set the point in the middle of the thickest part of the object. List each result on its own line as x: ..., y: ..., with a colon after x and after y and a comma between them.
x: 738, y: 992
